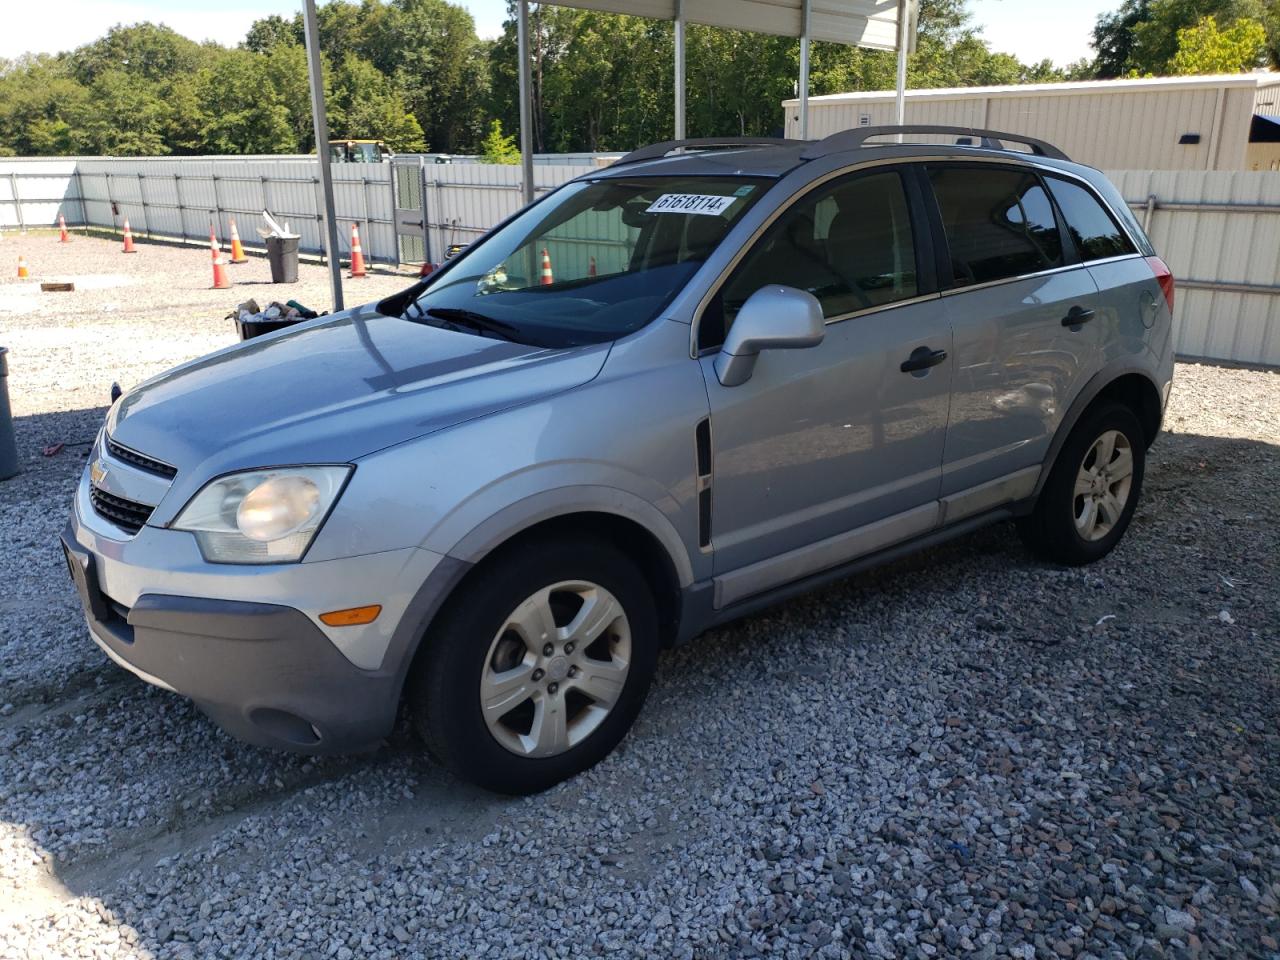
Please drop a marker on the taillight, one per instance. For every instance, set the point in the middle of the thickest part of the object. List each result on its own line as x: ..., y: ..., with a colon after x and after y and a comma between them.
x: 1164, y: 276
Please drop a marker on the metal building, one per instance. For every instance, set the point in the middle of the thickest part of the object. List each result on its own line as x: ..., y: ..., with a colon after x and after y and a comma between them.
x: 1227, y: 122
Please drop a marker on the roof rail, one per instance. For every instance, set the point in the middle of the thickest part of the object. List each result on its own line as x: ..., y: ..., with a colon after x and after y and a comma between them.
x: 656, y: 151
x: 991, y: 139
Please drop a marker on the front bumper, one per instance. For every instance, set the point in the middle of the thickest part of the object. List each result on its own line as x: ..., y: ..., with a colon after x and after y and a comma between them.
x: 267, y: 672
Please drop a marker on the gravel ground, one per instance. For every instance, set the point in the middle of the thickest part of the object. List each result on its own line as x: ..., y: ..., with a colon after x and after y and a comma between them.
x: 965, y: 754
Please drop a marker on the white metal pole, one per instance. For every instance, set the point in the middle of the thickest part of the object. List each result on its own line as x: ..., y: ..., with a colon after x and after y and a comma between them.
x: 321, y: 124
x: 526, y: 106
x: 904, y: 27
x: 804, y: 69
x: 679, y: 68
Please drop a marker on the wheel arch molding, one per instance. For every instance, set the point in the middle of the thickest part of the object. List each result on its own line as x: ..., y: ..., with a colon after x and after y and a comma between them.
x: 1133, y: 385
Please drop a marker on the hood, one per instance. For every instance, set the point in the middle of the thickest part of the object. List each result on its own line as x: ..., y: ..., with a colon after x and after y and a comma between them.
x: 335, y: 389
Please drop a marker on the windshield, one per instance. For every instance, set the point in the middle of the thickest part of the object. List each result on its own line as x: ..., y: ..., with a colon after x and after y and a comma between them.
x: 592, y: 263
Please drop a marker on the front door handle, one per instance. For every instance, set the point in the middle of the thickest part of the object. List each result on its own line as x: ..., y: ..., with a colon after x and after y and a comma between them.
x: 1078, y: 315
x: 922, y: 358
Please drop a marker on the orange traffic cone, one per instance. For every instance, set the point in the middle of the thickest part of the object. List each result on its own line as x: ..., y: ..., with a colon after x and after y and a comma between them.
x: 213, y: 242
x: 591, y: 268
x: 23, y: 272
x: 428, y: 268
x: 62, y: 230
x: 220, y: 279
x: 237, y: 251
x: 128, y: 238
x: 357, y: 255
x: 547, y: 278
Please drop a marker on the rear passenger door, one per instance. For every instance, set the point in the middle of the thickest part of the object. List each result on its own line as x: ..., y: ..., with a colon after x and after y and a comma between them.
x: 1115, y: 264
x: 1021, y: 309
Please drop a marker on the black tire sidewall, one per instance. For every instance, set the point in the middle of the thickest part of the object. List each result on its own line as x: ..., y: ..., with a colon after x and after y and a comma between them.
x: 1057, y: 501
x: 444, y: 695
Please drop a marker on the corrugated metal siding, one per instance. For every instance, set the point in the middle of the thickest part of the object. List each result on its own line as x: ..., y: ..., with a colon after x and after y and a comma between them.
x: 33, y: 192
x: 180, y: 197
x: 465, y: 200
x: 1239, y: 246
x: 1136, y: 129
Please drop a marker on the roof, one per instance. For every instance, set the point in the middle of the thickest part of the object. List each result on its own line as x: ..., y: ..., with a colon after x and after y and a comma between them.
x: 1256, y: 79
x: 748, y: 161
x: 863, y: 23
x: 775, y: 161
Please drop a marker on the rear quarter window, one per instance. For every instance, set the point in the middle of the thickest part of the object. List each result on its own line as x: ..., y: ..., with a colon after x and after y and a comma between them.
x: 999, y: 223
x: 1095, y: 232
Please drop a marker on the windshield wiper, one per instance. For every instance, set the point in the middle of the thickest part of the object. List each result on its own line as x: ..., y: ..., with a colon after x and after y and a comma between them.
x: 475, y: 321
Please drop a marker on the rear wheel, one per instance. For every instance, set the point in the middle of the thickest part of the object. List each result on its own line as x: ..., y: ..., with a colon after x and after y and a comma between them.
x: 539, y: 665
x: 1089, y: 498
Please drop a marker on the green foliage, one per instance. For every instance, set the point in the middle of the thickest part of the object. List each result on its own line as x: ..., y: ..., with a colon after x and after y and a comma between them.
x: 364, y: 104
x: 413, y: 73
x: 1206, y: 49
x: 497, y: 148
x: 1145, y: 37
x: 238, y: 108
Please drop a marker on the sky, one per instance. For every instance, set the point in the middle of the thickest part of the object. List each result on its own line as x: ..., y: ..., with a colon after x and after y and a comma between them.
x: 1030, y: 29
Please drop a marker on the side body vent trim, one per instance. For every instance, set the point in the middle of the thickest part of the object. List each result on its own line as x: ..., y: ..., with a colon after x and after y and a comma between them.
x: 702, y: 446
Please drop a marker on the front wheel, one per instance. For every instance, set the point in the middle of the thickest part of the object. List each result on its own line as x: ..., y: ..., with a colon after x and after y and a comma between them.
x: 538, y: 666
x: 1089, y: 498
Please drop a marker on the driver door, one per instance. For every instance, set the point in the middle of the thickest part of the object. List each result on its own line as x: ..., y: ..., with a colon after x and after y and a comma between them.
x: 833, y: 451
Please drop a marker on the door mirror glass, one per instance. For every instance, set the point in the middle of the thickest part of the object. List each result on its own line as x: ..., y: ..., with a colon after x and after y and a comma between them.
x: 773, y: 318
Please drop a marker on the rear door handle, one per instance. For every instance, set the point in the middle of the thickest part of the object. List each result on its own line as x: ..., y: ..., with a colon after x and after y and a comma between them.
x: 1078, y: 315
x: 922, y: 358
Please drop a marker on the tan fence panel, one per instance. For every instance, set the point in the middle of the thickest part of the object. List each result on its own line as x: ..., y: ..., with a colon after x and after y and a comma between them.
x: 1219, y: 231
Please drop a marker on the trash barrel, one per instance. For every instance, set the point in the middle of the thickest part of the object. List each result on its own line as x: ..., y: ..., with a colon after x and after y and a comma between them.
x: 8, y: 445
x: 256, y: 327
x: 282, y: 254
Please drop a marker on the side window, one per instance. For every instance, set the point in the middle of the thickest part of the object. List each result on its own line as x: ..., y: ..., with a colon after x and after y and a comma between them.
x: 849, y: 244
x: 999, y: 223
x: 1094, y: 231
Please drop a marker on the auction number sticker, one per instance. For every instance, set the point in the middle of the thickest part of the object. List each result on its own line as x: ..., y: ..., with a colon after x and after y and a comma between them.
x: 691, y: 203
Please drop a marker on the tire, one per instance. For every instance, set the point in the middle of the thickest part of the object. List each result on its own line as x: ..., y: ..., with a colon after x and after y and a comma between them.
x: 490, y: 633
x: 1059, y: 527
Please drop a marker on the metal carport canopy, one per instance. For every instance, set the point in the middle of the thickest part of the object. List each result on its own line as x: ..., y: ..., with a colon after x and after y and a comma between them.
x: 863, y: 23
x: 877, y: 24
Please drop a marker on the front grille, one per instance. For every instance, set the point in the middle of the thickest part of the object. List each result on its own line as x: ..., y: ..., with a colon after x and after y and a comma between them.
x: 141, y: 460
x: 128, y: 515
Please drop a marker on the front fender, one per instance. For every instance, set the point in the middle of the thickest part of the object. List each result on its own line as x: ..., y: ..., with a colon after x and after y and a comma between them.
x: 514, y: 504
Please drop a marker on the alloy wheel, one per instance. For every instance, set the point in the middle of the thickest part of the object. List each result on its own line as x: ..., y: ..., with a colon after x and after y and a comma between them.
x: 1103, y: 485
x: 555, y: 668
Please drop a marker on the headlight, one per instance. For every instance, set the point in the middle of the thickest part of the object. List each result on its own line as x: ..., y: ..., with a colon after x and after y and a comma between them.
x: 262, y: 516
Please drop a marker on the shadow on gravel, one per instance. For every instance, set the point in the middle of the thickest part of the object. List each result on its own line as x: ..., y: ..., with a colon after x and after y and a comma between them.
x: 1065, y: 732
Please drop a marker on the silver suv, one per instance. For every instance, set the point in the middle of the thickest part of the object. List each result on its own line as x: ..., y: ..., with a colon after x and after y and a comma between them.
x: 674, y: 391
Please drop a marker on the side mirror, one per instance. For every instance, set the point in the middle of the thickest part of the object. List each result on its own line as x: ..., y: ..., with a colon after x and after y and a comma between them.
x: 773, y: 318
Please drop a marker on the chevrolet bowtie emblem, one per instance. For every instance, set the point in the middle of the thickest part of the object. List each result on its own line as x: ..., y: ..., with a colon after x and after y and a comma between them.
x: 98, y: 472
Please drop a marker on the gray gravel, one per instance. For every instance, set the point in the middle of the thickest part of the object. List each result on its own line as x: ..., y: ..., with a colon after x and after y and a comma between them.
x: 966, y: 754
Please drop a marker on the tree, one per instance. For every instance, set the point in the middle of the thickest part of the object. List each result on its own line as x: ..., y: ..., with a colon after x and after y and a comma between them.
x: 1143, y: 36
x: 1113, y: 38
x: 121, y: 117
x: 287, y: 73
x: 364, y: 104
x: 1206, y: 49
x: 497, y: 148
x: 239, y: 109
x: 269, y: 31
